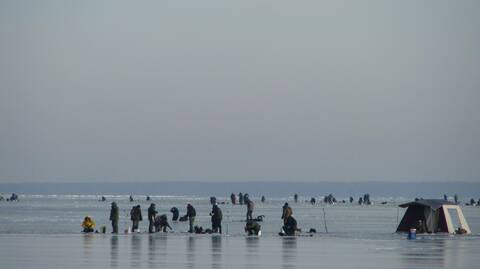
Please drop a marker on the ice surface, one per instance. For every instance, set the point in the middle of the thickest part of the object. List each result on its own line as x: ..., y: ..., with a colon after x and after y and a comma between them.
x: 43, y: 232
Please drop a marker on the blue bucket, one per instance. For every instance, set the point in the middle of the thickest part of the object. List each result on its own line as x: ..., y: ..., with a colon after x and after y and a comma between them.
x: 412, y: 234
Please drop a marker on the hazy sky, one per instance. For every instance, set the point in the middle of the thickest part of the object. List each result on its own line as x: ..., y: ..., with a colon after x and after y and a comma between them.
x: 239, y: 90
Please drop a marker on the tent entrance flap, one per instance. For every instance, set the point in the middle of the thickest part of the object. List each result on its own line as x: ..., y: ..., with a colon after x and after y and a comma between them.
x: 411, y: 217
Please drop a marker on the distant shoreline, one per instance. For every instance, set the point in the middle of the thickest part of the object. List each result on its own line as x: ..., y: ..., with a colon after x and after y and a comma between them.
x: 465, y: 190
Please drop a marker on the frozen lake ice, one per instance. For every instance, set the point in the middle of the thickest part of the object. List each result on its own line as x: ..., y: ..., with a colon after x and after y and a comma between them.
x: 43, y: 232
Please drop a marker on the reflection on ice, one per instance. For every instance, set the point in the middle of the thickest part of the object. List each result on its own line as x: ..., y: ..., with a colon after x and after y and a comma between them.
x: 207, y: 251
x: 114, y: 251
x: 190, y: 252
x: 289, y: 252
x: 136, y: 250
x: 216, y: 250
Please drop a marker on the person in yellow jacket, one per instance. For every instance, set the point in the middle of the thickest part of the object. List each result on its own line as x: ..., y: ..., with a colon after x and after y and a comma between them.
x: 88, y: 225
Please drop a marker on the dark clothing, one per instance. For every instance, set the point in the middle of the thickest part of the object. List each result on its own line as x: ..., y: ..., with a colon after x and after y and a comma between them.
x: 175, y: 213
x: 151, y: 217
x: 114, y: 216
x: 152, y: 213
x: 191, y: 213
x: 295, y: 197
x: 136, y: 217
x: 217, y: 217
x: 246, y: 198
x: 421, y: 228
x: 240, y: 198
x: 161, y: 223
x: 233, y: 198
x: 191, y: 221
x: 284, y: 211
x: 252, y: 228
x: 290, y: 226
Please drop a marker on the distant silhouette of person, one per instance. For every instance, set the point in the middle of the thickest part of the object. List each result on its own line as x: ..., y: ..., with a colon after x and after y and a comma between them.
x: 191, y: 214
x: 250, y: 206
x: 161, y: 223
x: 216, y: 217
x: 252, y: 228
x: 114, y: 216
x: 136, y: 217
x: 152, y: 213
x: 175, y: 213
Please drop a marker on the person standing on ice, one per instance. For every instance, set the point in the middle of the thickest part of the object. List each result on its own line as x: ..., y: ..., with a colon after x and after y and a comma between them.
x: 114, y: 216
x: 136, y: 217
x: 152, y: 213
x: 217, y: 217
x: 191, y: 214
x: 250, y: 206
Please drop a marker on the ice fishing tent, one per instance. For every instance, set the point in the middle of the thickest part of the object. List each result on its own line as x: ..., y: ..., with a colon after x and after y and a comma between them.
x: 439, y: 216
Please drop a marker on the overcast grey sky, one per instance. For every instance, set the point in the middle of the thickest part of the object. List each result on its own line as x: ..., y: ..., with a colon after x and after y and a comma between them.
x: 239, y: 90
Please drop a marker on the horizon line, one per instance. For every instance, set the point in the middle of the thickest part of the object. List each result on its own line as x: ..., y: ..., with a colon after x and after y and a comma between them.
x: 239, y: 181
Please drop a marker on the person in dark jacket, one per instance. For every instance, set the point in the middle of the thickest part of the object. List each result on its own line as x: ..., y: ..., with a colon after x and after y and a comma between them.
x: 233, y: 198
x: 13, y: 197
x: 246, y: 198
x: 136, y: 217
x: 240, y: 198
x: 131, y: 198
x: 263, y: 199
x: 290, y: 226
x: 284, y: 210
x: 295, y: 198
x: 161, y: 223
x: 217, y: 217
x: 175, y: 213
x: 114, y: 216
x: 421, y: 228
x: 252, y: 228
x: 152, y: 213
x: 191, y: 214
